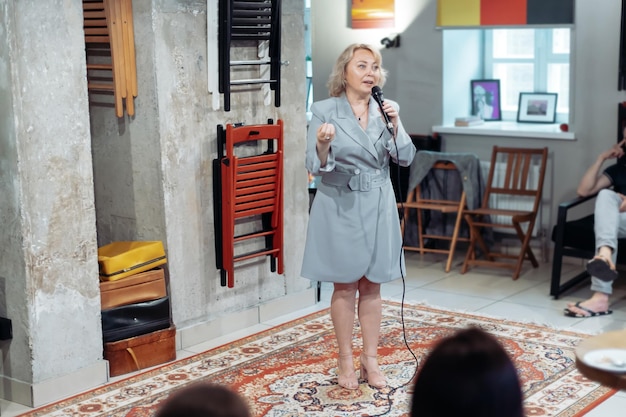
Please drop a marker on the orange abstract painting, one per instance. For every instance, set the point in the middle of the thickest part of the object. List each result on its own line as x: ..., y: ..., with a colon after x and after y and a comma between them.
x: 373, y: 14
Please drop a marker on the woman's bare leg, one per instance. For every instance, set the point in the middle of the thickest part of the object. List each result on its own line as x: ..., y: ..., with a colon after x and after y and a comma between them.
x: 342, y: 314
x: 370, y: 314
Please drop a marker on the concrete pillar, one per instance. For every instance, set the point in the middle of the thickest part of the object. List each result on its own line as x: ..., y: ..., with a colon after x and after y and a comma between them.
x: 48, y: 263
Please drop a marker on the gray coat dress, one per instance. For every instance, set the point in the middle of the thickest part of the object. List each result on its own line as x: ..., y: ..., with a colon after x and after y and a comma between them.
x: 353, y: 229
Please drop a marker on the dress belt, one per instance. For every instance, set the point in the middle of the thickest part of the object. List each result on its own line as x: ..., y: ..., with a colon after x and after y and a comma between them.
x: 363, y: 181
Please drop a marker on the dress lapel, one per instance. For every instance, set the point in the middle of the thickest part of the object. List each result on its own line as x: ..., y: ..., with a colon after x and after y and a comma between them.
x: 349, y: 124
x: 375, y: 125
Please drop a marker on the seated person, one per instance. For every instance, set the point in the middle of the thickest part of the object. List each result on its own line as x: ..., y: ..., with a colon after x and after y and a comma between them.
x: 467, y: 374
x: 204, y: 399
x: 609, y: 226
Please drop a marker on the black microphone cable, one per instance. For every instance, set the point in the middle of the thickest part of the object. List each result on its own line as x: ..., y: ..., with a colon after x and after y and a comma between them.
x: 393, y: 390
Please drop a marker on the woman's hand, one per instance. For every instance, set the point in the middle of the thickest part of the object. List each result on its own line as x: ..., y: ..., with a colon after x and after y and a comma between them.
x: 325, y: 134
x: 392, y: 113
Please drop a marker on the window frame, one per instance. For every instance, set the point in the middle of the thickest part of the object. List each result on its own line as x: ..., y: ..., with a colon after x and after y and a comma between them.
x: 543, y: 57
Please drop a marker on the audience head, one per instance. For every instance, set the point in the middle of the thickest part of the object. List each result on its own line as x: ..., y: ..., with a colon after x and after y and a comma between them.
x: 467, y: 374
x: 204, y: 400
x: 337, y: 79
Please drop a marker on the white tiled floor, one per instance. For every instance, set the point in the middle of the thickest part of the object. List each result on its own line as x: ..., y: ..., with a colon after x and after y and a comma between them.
x: 487, y: 291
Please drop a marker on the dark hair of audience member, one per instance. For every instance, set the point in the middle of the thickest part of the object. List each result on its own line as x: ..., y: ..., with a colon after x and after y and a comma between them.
x: 467, y: 374
x: 204, y: 400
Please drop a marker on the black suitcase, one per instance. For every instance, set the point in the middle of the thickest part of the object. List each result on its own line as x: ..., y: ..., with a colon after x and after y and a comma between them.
x: 135, y: 319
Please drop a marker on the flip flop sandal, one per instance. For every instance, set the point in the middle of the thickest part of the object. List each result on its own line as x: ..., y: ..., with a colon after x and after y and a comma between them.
x: 570, y: 313
x: 601, y: 268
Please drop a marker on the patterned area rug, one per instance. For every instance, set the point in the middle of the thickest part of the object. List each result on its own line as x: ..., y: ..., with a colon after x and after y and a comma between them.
x: 290, y: 370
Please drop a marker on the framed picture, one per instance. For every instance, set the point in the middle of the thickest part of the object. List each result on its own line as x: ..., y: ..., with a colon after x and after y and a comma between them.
x: 486, y: 99
x: 373, y: 14
x: 537, y: 107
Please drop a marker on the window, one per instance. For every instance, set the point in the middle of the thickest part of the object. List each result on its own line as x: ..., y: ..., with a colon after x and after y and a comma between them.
x: 528, y: 60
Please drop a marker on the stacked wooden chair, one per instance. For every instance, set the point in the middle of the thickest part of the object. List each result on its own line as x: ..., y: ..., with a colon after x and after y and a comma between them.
x: 110, y: 51
x: 242, y: 23
x: 248, y: 197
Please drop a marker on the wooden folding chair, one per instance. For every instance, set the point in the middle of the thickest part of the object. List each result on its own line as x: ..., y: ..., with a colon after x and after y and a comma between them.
x: 436, y: 201
x: 515, y: 175
x: 251, y: 189
x: 109, y: 33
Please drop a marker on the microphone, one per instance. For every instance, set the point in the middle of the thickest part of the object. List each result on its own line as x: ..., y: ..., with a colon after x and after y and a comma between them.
x: 377, y: 93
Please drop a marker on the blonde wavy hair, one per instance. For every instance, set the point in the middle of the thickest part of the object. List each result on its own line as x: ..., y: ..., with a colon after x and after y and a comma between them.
x: 336, y: 82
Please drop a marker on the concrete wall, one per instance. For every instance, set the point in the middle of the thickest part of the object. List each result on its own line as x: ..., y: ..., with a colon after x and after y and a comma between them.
x: 416, y: 73
x: 154, y: 171
x: 75, y: 177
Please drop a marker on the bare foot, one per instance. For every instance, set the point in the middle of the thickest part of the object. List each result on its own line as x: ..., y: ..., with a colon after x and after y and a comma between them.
x: 371, y: 372
x: 346, y: 376
x: 599, y: 302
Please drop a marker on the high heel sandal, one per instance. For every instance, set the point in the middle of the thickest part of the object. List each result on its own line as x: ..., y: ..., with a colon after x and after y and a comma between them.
x: 346, y: 380
x: 374, y: 377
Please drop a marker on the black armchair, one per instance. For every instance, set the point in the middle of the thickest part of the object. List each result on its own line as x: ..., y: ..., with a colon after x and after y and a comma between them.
x: 575, y: 238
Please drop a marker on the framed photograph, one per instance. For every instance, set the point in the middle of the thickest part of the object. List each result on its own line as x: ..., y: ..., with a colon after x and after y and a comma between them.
x: 537, y: 107
x: 486, y: 99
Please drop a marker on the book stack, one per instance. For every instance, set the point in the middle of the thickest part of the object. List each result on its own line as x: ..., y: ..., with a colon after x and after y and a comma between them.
x: 468, y: 121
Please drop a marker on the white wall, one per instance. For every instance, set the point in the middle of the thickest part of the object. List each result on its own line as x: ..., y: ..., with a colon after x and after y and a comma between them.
x: 416, y: 73
x: 415, y: 68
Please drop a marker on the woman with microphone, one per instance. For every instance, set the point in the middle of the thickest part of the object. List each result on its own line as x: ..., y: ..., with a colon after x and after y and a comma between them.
x: 353, y: 237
